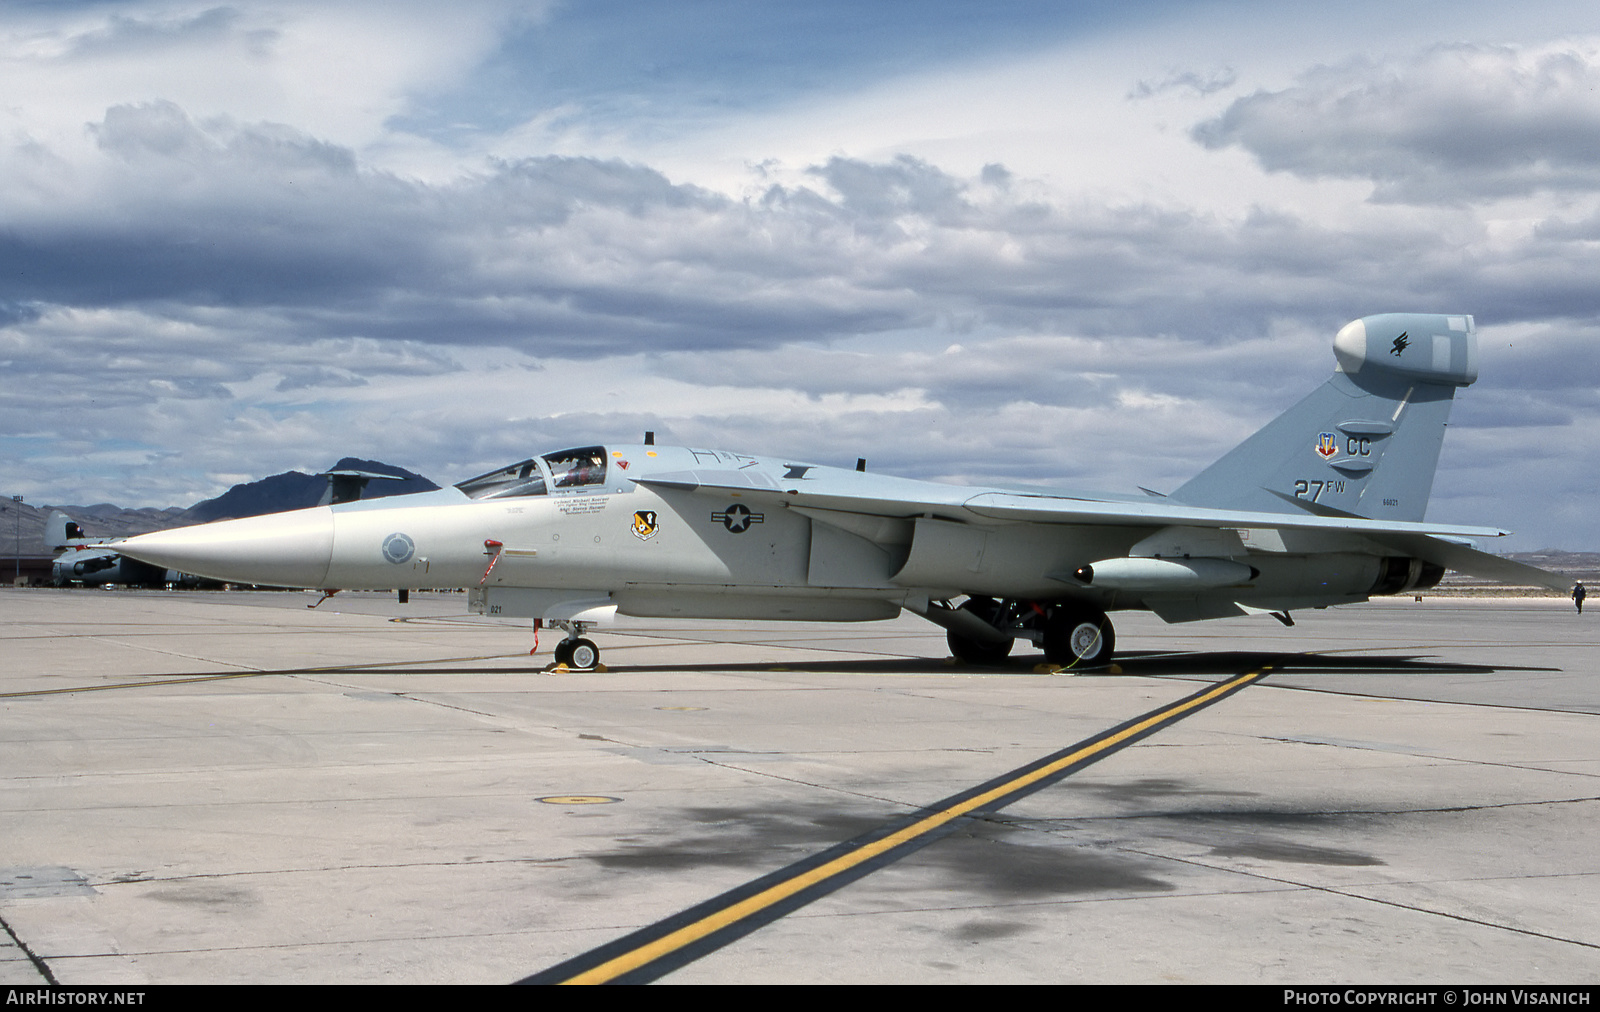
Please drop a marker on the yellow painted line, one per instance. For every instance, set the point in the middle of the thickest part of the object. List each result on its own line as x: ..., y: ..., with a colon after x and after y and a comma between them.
x: 578, y: 799
x: 691, y: 933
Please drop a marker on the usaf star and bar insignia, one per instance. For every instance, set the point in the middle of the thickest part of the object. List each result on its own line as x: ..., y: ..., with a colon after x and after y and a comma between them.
x: 737, y: 518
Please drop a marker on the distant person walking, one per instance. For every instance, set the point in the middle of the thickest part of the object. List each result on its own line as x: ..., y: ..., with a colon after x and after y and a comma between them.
x: 1578, y: 594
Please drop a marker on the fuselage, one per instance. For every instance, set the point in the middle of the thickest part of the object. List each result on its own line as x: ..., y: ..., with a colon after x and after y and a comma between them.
x: 633, y: 525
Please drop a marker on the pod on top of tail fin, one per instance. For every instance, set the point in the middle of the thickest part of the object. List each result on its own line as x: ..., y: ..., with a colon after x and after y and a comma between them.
x: 1365, y: 443
x: 1424, y: 346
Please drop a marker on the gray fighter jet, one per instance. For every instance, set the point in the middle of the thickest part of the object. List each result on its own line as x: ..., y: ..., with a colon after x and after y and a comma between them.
x: 1322, y: 507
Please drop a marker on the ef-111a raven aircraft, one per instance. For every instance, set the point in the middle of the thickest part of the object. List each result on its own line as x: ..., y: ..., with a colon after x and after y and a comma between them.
x: 1322, y: 507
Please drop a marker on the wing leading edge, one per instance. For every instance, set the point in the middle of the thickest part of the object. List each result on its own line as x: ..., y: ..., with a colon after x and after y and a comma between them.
x: 846, y: 492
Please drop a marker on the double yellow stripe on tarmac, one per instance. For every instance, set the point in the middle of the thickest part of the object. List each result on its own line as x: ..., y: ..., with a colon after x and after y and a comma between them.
x: 1003, y: 792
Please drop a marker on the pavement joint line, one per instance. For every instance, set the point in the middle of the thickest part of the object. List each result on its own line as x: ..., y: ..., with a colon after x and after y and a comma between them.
x: 1351, y: 694
x: 1345, y: 893
x: 118, y: 640
x: 1433, y: 757
x: 184, y: 679
x: 767, y: 774
x: 1042, y: 825
x: 658, y: 949
x: 38, y: 963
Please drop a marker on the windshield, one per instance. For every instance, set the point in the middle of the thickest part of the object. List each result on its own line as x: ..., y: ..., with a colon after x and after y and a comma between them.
x: 522, y: 478
x: 568, y: 469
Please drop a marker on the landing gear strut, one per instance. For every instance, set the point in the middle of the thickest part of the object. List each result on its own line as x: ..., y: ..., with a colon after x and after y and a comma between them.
x: 576, y: 652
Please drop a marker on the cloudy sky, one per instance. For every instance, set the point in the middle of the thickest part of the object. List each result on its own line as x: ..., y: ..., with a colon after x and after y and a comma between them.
x: 1085, y: 244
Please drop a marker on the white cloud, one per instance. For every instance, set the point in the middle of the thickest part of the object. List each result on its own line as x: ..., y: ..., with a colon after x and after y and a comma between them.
x: 225, y: 256
x: 334, y: 68
x: 1455, y: 122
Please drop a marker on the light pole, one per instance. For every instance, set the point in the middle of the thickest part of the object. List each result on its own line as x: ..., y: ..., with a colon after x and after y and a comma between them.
x: 17, y: 509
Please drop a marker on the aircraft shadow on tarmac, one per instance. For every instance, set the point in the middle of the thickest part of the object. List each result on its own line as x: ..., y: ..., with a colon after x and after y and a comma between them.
x: 1151, y: 664
x: 1229, y: 662
x: 1146, y: 665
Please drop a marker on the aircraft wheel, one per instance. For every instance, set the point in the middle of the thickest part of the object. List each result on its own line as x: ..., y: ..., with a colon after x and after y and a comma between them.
x: 1079, y: 638
x: 582, y: 655
x: 562, y: 654
x: 974, y: 651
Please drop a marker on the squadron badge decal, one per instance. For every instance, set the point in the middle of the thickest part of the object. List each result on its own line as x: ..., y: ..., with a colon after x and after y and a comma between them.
x: 1327, y: 445
x: 644, y: 524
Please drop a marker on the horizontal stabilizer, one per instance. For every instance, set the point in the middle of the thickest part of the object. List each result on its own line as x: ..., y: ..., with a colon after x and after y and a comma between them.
x: 1472, y: 562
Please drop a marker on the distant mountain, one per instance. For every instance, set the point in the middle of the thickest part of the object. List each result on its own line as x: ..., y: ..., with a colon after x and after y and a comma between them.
x: 293, y: 490
x: 108, y: 521
x: 22, y: 524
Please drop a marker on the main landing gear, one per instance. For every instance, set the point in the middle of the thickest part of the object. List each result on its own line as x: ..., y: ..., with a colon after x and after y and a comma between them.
x: 576, y: 652
x: 1073, y: 635
x: 1078, y: 637
x: 983, y: 651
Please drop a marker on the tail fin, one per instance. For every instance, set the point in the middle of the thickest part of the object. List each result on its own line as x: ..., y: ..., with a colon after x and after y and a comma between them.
x: 61, y: 531
x: 1366, y: 443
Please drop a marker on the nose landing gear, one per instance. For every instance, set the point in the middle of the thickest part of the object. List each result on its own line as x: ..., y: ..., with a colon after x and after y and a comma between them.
x: 575, y: 651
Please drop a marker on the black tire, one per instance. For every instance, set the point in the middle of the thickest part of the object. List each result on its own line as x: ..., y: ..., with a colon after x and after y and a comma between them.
x: 1079, y: 638
x: 583, y: 655
x: 974, y: 651
x: 563, y: 653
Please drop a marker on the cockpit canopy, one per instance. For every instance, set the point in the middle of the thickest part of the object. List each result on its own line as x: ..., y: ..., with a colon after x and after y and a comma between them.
x: 564, y: 469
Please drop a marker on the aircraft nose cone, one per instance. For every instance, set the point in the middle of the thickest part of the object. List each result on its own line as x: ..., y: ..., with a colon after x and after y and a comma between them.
x: 280, y: 550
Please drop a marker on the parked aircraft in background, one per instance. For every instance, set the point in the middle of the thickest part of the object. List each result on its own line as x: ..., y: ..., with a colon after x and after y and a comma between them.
x: 346, y: 485
x: 90, y: 562
x: 1324, y: 506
